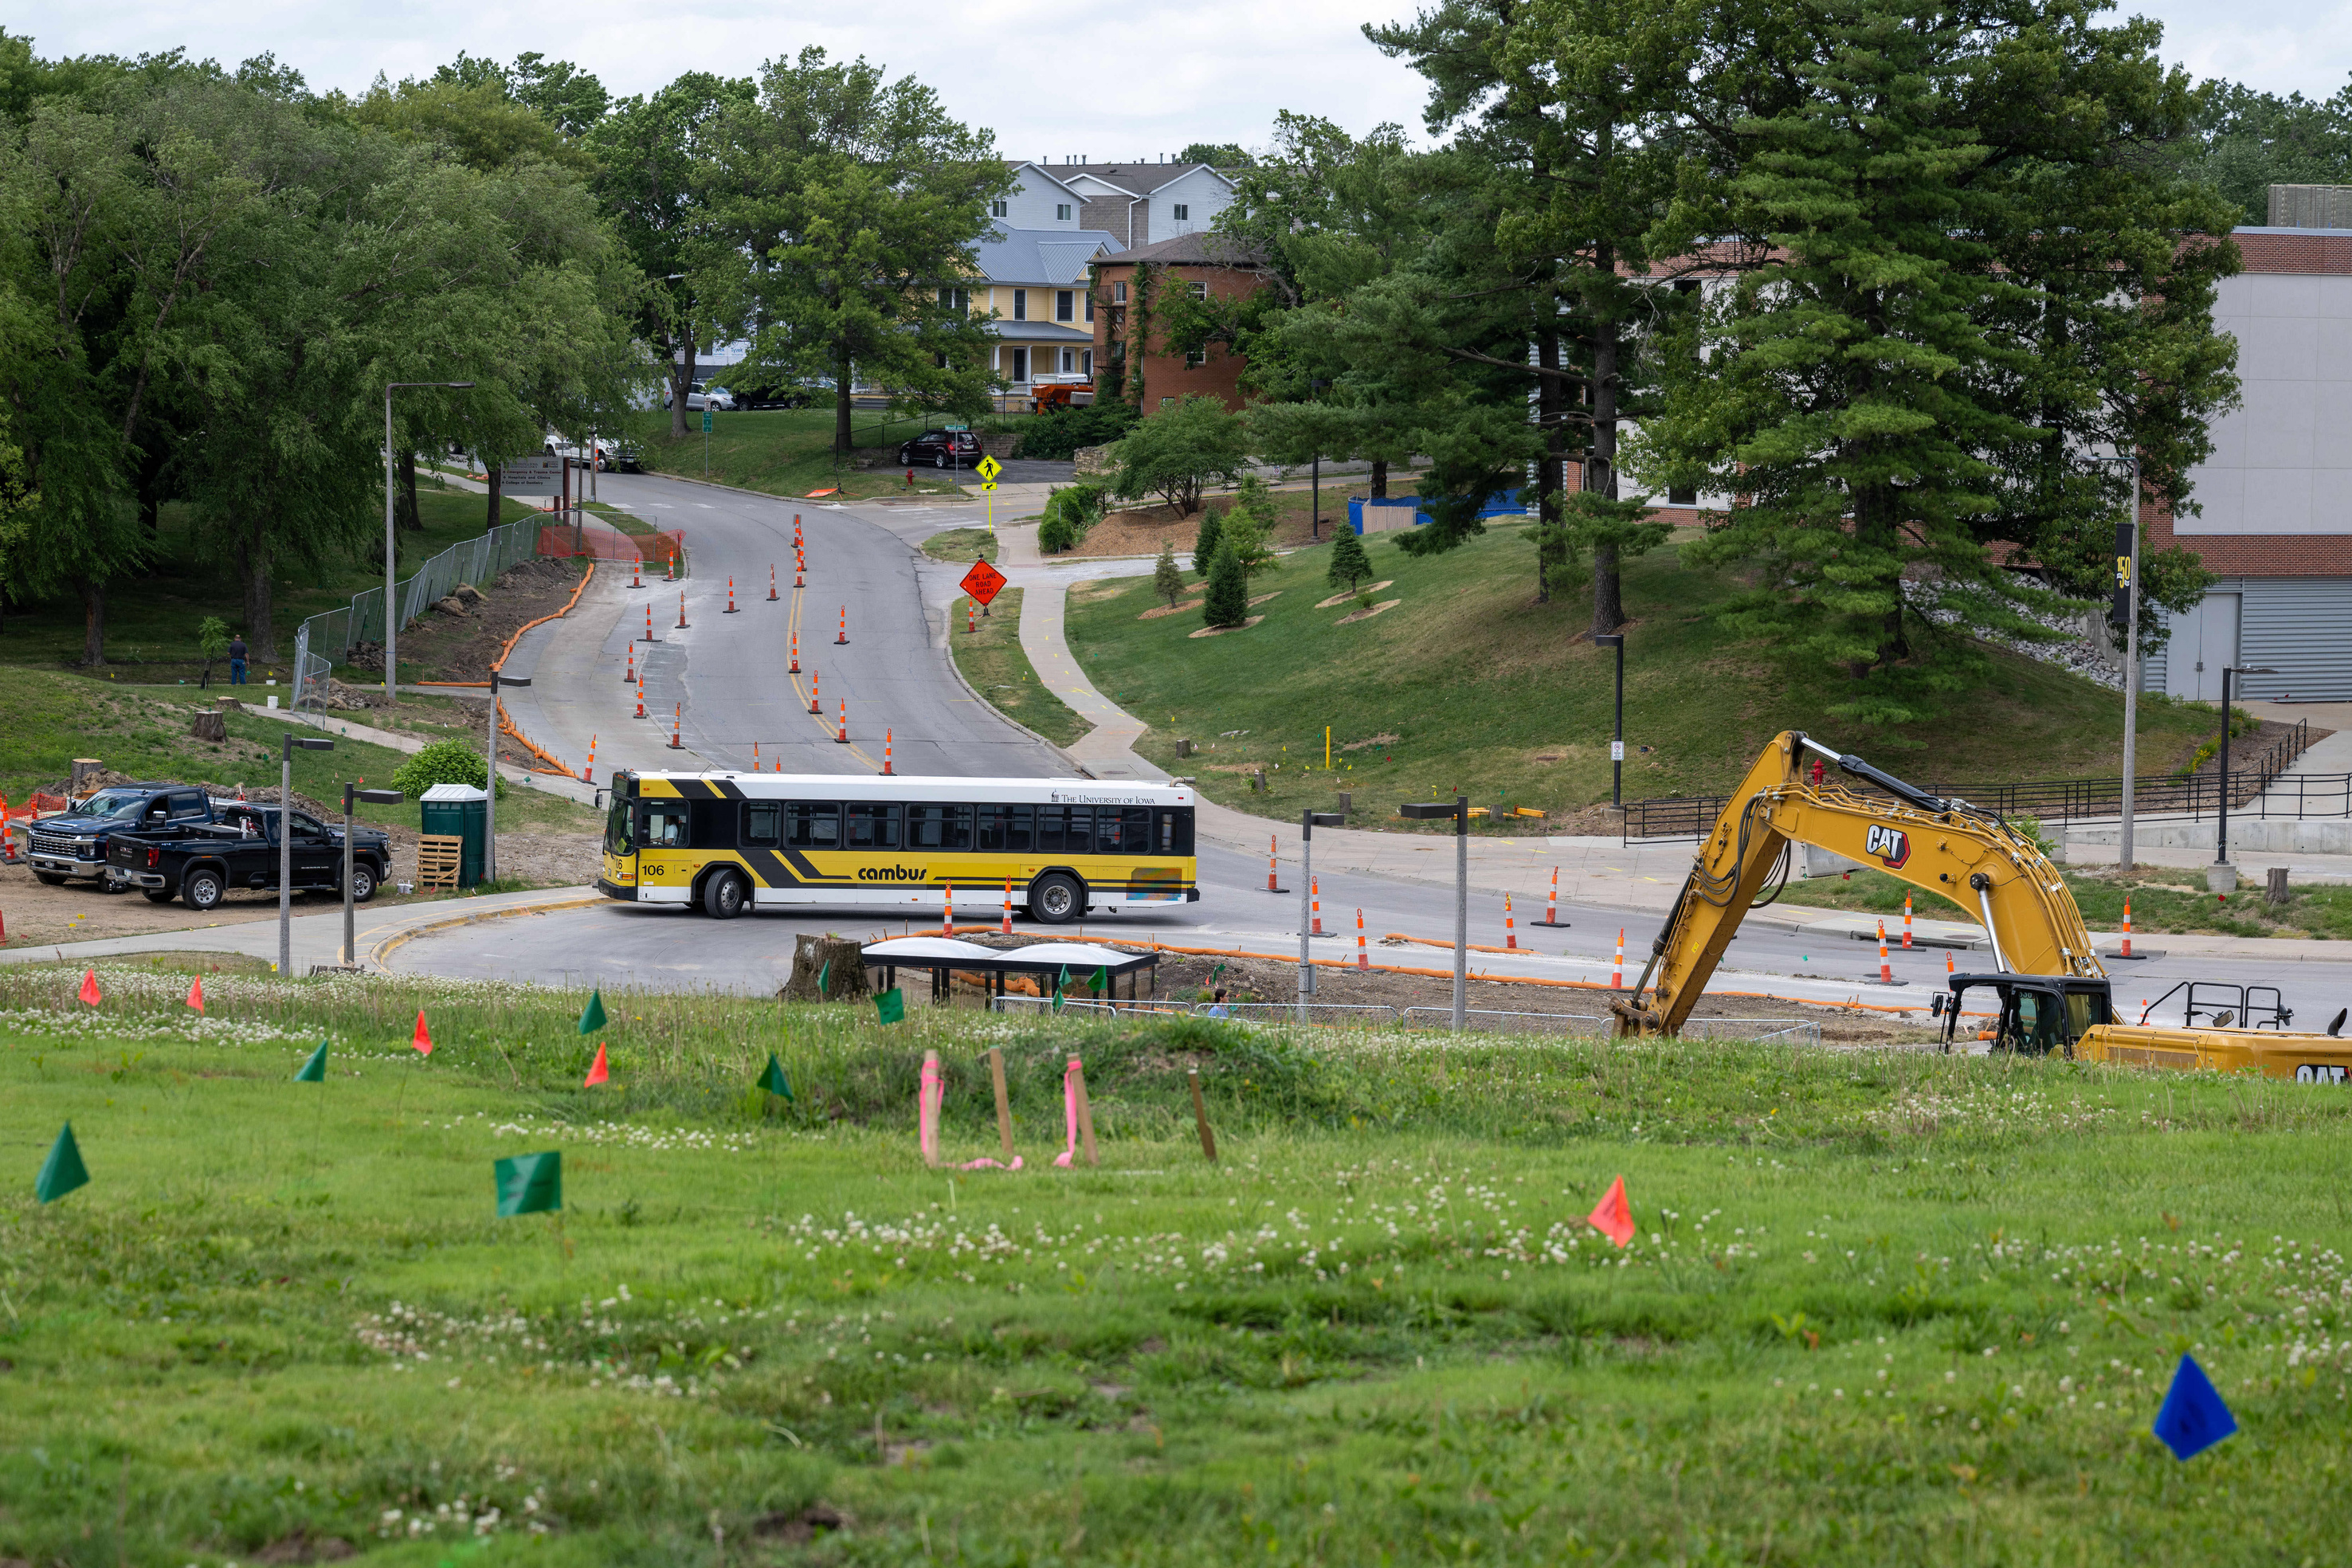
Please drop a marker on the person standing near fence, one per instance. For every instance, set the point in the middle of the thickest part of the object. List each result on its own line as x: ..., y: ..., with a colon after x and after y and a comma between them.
x: 236, y: 655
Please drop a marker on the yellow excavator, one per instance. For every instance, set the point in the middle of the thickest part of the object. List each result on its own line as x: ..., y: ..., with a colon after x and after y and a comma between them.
x: 2052, y: 994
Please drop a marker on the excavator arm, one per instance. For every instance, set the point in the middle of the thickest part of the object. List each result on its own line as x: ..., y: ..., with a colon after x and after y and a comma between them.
x: 1947, y: 847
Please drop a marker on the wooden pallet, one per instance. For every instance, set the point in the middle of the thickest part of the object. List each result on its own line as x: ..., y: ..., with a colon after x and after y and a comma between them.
x: 436, y: 861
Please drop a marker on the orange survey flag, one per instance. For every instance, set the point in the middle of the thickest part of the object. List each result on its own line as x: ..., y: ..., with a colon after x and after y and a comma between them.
x: 89, y: 992
x: 196, y: 992
x: 423, y: 1040
x: 597, y: 1070
x: 1614, y: 1216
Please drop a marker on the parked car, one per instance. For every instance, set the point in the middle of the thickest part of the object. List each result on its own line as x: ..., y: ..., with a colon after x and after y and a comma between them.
x: 940, y: 449
x: 703, y: 394
x: 200, y: 862
x: 621, y: 458
x: 74, y: 843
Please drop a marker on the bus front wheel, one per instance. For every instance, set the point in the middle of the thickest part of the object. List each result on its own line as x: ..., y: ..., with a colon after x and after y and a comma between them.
x: 1056, y: 899
x: 725, y: 896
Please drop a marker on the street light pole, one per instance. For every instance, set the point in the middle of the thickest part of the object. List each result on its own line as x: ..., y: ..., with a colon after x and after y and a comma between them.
x: 285, y: 843
x: 1306, y: 822
x: 1429, y: 810
x: 2127, y: 570
x: 2223, y: 875
x: 390, y: 560
x: 490, y: 779
x: 378, y: 797
x: 1617, y: 744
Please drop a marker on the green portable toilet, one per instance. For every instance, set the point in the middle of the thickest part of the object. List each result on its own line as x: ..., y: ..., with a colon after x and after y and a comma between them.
x: 463, y: 812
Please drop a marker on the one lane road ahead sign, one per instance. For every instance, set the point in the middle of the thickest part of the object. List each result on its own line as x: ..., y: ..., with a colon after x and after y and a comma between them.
x: 983, y: 583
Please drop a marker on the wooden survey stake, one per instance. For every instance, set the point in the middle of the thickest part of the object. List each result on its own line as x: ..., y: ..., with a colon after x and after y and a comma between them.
x: 1003, y: 1107
x: 1085, y: 1113
x: 1200, y: 1116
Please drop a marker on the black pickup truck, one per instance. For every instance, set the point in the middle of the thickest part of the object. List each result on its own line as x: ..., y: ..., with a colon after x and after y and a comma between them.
x: 75, y: 843
x: 200, y: 862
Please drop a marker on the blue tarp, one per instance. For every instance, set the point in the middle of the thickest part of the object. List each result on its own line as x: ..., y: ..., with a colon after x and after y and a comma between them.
x: 1502, y: 503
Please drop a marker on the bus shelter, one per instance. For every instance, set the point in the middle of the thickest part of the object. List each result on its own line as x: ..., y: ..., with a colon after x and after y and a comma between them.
x: 1044, y: 960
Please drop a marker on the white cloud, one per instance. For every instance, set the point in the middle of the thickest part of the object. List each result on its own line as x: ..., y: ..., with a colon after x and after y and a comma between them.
x: 1131, y: 80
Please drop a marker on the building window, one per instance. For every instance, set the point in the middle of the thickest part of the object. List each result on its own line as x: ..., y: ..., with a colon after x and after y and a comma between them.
x: 1066, y: 305
x: 996, y: 209
x: 1167, y: 403
x: 1020, y: 304
x: 1061, y: 212
x: 1682, y: 495
x: 1196, y: 358
x: 1087, y: 360
x: 1020, y: 364
x: 1200, y: 290
x: 1183, y: 212
x: 1090, y: 304
x: 1069, y: 362
x: 956, y: 299
x: 1118, y: 293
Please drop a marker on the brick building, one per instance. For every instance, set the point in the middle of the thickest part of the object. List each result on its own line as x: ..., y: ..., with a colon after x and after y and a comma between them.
x: 2276, y: 497
x: 1206, y: 265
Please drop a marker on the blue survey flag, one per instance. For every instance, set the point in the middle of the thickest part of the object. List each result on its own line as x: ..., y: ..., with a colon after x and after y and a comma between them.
x: 531, y: 1184
x: 2193, y: 1418
x: 62, y: 1171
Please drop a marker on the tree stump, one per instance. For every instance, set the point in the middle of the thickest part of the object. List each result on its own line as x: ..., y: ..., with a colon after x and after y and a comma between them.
x: 837, y: 962
x: 208, y: 726
x: 2276, y: 893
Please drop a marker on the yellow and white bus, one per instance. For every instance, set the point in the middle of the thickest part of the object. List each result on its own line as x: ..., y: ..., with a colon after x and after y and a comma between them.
x: 726, y: 842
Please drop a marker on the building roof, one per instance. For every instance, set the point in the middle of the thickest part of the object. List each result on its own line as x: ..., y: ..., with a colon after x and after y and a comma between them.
x: 1053, y: 255
x: 1200, y: 249
x: 1135, y: 179
x: 1038, y: 331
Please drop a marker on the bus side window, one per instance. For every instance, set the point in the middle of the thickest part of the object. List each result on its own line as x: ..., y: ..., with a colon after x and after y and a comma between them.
x: 1175, y: 833
x: 1131, y: 826
x: 763, y: 823
x: 1052, y: 822
x: 812, y: 825
x: 939, y: 827
x: 992, y: 828
x: 872, y: 825
x: 1021, y: 833
x: 666, y: 825
x: 713, y: 824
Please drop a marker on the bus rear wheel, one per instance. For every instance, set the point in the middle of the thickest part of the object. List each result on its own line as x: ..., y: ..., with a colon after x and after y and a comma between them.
x: 725, y: 896
x: 1056, y: 900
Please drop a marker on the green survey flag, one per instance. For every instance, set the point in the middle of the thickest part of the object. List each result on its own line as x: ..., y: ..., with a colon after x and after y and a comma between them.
x: 63, y: 1170
x: 315, y: 1070
x: 891, y: 1006
x: 823, y: 972
x: 1100, y: 980
x: 773, y: 1080
x: 531, y: 1184
x: 592, y: 1017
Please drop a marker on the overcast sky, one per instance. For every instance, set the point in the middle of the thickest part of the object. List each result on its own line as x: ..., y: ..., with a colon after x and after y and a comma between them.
x: 1136, y: 79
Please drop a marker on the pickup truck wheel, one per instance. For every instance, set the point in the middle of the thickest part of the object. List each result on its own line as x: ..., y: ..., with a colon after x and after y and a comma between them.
x: 1056, y: 900
x: 363, y: 882
x: 202, y: 890
x: 726, y: 895
x: 158, y: 895
x: 50, y: 879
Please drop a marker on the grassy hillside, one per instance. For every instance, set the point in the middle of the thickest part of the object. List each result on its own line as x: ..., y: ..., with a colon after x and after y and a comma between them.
x: 1868, y: 1317
x: 152, y: 618
x: 1469, y: 682
x: 783, y: 451
x: 48, y: 718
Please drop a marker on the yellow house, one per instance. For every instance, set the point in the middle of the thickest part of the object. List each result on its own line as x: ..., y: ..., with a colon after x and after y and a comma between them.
x: 1033, y: 277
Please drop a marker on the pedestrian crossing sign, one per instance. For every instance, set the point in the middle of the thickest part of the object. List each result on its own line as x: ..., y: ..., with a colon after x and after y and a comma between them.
x: 988, y: 469
x: 988, y: 484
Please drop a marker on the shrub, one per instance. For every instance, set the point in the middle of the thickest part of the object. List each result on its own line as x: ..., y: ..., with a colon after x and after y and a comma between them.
x: 443, y: 761
x: 1177, y: 451
x: 1069, y: 512
x: 1228, y: 601
x: 1349, y: 565
x: 1167, y: 581
x: 1204, y: 543
x: 1057, y: 437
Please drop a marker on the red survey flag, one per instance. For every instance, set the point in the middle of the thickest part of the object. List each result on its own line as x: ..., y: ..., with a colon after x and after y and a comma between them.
x: 597, y: 1070
x: 89, y: 992
x: 196, y: 992
x: 1614, y: 1216
x: 423, y: 1039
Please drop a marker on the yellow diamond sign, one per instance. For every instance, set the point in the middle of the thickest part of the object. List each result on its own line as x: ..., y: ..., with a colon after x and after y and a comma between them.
x: 987, y: 467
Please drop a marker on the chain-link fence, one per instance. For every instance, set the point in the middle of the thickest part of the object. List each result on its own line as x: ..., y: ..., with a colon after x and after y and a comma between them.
x: 1752, y: 1029
x: 1012, y: 1003
x: 1378, y: 1016
x: 327, y: 640
x: 1353, y: 1014
x: 1498, y: 1021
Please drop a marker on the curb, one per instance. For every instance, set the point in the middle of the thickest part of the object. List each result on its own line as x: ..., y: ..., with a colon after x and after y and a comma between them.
x: 400, y: 939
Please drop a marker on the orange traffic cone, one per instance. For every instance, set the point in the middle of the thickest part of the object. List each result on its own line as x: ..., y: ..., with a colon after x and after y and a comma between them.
x: 649, y: 623
x: 843, y: 640
x: 588, y: 773
x: 1363, y: 958
x: 1906, y: 920
x: 1885, y: 974
x: 641, y: 697
x: 681, y: 609
x: 731, y: 597
x: 1005, y: 924
x: 800, y: 573
x: 669, y: 568
x: 796, y: 655
x: 629, y: 676
x: 970, y: 616
x: 1315, y: 898
x: 1617, y: 974
x: 1271, y: 844
x: 947, y: 921
x: 2127, y: 928
x: 1551, y: 904
x: 677, y: 723
x: 638, y: 573
x: 771, y: 582
x: 1510, y: 928
x: 841, y: 737
x: 815, y: 706
x: 887, y: 772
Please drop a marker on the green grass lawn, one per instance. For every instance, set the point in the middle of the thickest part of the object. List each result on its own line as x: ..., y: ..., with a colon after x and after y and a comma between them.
x: 991, y: 660
x: 961, y: 544
x: 48, y: 718
x: 2165, y: 900
x: 1869, y: 1317
x: 152, y: 619
x: 1471, y: 683
x: 785, y: 452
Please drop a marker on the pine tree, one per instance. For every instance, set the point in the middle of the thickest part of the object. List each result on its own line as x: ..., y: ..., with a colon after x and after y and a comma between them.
x: 1167, y: 581
x: 1204, y: 545
x: 1228, y: 601
x: 1349, y: 565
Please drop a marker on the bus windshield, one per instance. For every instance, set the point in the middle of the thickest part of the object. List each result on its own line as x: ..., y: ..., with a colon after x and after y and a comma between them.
x: 618, y: 820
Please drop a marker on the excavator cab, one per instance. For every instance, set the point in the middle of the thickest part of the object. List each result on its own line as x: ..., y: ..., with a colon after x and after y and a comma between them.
x: 2038, y: 1015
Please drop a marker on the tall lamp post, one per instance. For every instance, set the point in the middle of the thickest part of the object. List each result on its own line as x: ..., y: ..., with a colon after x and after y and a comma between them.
x: 2126, y: 607
x: 1307, y: 821
x: 286, y: 842
x: 1617, y: 745
x: 1427, y: 811
x: 390, y: 561
x: 350, y: 795
x: 490, y: 779
x: 2221, y: 876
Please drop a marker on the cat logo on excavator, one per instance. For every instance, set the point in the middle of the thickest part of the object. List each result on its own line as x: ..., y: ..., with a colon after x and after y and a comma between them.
x: 1891, y: 845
